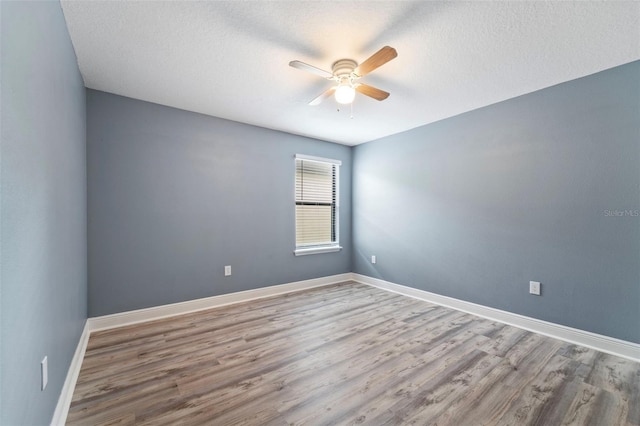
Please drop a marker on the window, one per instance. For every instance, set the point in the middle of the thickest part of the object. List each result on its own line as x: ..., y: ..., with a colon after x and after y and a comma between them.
x: 316, y: 205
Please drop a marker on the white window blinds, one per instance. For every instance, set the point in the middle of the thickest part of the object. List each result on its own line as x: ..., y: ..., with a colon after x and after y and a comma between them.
x: 316, y: 202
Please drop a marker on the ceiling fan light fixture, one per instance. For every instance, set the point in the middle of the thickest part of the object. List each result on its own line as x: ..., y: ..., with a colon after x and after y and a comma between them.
x: 345, y: 94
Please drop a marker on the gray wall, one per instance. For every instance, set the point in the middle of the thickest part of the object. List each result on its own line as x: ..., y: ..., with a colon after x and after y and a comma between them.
x: 43, y: 208
x: 476, y: 206
x: 174, y: 196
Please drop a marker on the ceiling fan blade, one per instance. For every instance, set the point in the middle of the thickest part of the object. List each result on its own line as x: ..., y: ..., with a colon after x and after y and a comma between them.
x: 372, y: 92
x: 311, y: 69
x: 376, y: 60
x: 324, y: 96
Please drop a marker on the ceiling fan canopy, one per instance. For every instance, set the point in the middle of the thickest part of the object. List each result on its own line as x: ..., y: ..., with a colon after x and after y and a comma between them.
x: 346, y: 73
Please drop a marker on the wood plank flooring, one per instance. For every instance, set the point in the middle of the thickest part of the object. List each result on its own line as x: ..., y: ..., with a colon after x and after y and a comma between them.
x: 346, y: 354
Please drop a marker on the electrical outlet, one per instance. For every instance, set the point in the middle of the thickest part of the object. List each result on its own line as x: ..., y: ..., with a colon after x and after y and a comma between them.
x: 227, y: 270
x: 534, y: 287
x: 373, y: 259
x: 44, y: 373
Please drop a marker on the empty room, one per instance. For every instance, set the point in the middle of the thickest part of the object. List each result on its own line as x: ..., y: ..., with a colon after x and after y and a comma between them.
x: 320, y: 212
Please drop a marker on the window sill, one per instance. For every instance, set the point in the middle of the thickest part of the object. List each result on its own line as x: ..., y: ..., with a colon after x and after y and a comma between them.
x: 316, y: 250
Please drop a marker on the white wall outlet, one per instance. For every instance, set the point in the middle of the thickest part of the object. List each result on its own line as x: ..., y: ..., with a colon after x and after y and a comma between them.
x: 44, y: 373
x: 373, y: 259
x: 534, y: 287
x: 227, y: 270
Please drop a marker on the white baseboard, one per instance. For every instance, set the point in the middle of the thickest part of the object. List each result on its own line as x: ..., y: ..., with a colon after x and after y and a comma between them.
x: 164, y: 311
x: 595, y: 341
x: 64, y: 401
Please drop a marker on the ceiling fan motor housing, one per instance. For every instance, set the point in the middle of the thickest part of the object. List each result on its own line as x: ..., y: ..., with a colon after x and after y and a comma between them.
x: 344, y: 67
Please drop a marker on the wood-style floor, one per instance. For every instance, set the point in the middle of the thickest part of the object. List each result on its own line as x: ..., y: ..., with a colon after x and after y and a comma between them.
x: 346, y: 354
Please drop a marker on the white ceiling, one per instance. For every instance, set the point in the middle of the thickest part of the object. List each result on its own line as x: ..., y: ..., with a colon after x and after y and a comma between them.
x: 230, y: 59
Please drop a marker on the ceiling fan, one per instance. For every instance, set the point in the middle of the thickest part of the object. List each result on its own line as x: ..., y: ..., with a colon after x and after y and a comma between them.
x: 347, y: 72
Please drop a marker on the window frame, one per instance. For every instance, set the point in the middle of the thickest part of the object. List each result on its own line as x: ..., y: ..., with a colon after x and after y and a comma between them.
x: 314, y: 248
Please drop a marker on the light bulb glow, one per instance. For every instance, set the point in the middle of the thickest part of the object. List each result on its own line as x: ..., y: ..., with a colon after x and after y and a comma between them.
x: 345, y: 94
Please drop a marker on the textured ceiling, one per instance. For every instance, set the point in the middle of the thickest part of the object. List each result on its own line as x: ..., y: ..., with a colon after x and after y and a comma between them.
x: 230, y: 59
